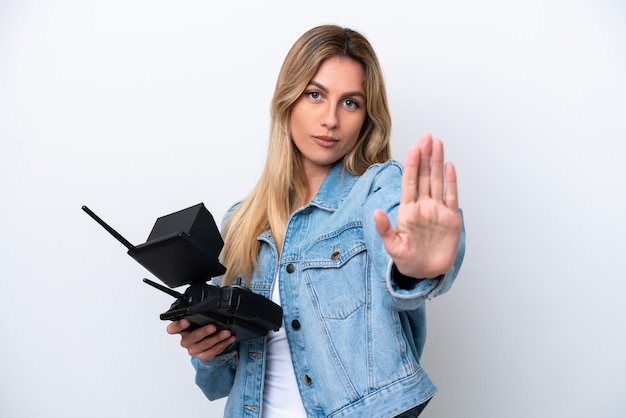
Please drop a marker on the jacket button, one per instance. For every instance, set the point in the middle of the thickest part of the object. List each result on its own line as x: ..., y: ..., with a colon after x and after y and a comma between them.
x: 307, y: 380
x: 295, y: 324
x: 335, y: 255
x: 290, y: 268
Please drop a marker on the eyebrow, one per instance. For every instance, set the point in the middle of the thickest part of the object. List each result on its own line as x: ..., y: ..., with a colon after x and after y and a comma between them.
x: 347, y: 94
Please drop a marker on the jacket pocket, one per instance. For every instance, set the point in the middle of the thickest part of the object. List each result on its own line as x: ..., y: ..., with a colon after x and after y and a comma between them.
x: 335, y: 269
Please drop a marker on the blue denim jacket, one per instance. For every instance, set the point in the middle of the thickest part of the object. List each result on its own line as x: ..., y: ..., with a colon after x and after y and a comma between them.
x: 355, y: 336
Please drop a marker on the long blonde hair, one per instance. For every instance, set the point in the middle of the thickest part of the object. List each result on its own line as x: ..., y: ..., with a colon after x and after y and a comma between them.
x: 282, y: 186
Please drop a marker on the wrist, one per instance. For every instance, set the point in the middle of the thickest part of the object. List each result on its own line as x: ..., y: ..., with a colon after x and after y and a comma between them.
x: 407, y: 282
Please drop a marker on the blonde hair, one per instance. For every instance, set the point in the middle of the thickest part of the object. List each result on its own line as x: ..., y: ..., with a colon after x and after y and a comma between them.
x: 282, y: 186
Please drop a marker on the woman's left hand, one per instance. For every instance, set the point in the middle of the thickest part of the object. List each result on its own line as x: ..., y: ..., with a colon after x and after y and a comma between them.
x: 428, y: 228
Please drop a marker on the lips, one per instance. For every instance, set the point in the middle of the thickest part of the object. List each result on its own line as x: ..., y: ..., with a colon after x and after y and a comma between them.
x: 325, y: 141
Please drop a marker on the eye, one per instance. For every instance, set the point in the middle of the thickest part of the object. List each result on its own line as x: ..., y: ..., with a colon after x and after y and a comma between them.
x: 351, y: 104
x: 313, y: 95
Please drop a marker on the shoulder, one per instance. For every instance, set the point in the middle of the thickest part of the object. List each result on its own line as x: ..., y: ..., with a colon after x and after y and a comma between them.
x: 381, y: 181
x: 383, y: 174
x: 388, y: 167
x: 229, y: 212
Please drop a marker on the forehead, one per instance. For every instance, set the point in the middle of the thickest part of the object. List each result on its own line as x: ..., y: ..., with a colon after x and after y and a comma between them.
x: 340, y: 73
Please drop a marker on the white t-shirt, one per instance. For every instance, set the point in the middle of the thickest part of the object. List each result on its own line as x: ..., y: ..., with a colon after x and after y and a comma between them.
x: 281, y: 397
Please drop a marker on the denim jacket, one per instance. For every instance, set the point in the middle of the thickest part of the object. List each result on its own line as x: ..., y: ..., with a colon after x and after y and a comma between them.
x: 355, y: 336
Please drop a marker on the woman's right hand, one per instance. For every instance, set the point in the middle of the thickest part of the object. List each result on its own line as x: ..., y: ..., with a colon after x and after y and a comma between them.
x: 204, y: 343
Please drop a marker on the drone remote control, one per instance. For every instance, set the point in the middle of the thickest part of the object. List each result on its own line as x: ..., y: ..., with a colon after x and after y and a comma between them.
x: 183, y: 248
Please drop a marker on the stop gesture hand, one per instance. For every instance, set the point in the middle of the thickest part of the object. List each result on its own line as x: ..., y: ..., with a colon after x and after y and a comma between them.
x: 428, y: 228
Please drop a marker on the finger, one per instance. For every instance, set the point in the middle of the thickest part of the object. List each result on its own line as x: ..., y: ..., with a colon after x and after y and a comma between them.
x: 383, y: 225
x: 176, y: 327
x: 452, y: 198
x: 385, y: 230
x: 225, y: 343
x: 212, y: 346
x: 200, y: 334
x: 200, y: 339
x: 409, y: 176
x: 423, y: 180
x: 436, y: 172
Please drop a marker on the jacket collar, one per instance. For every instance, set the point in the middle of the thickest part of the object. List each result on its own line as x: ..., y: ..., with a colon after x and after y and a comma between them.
x: 335, y: 187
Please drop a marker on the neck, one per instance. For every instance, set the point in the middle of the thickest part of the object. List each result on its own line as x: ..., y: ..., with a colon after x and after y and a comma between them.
x: 313, y: 186
x: 314, y: 178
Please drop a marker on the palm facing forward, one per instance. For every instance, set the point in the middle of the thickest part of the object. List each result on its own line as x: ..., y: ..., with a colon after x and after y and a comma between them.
x: 428, y: 228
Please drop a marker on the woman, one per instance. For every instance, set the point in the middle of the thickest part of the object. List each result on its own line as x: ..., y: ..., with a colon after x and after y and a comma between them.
x: 347, y: 242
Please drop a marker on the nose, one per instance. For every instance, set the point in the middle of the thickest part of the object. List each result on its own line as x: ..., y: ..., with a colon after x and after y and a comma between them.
x: 329, y: 116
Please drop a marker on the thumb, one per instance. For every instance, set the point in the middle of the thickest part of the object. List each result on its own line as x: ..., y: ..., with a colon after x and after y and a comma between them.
x: 383, y: 226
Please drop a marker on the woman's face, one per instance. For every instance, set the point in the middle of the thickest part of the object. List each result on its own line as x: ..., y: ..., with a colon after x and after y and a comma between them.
x: 327, y: 119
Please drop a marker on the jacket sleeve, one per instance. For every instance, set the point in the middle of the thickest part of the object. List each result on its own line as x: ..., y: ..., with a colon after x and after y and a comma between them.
x: 215, y: 377
x: 385, y: 194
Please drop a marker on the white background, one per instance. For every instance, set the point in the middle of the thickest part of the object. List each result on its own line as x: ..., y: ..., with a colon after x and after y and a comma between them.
x: 140, y: 108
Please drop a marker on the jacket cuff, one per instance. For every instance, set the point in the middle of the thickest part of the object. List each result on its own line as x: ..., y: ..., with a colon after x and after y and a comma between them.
x: 405, y: 287
x: 406, y: 282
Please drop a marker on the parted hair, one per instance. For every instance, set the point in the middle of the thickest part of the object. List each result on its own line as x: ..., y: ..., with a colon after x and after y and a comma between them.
x: 282, y: 186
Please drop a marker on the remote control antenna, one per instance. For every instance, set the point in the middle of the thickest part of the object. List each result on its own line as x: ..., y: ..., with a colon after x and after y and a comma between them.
x: 108, y: 228
x: 167, y: 290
